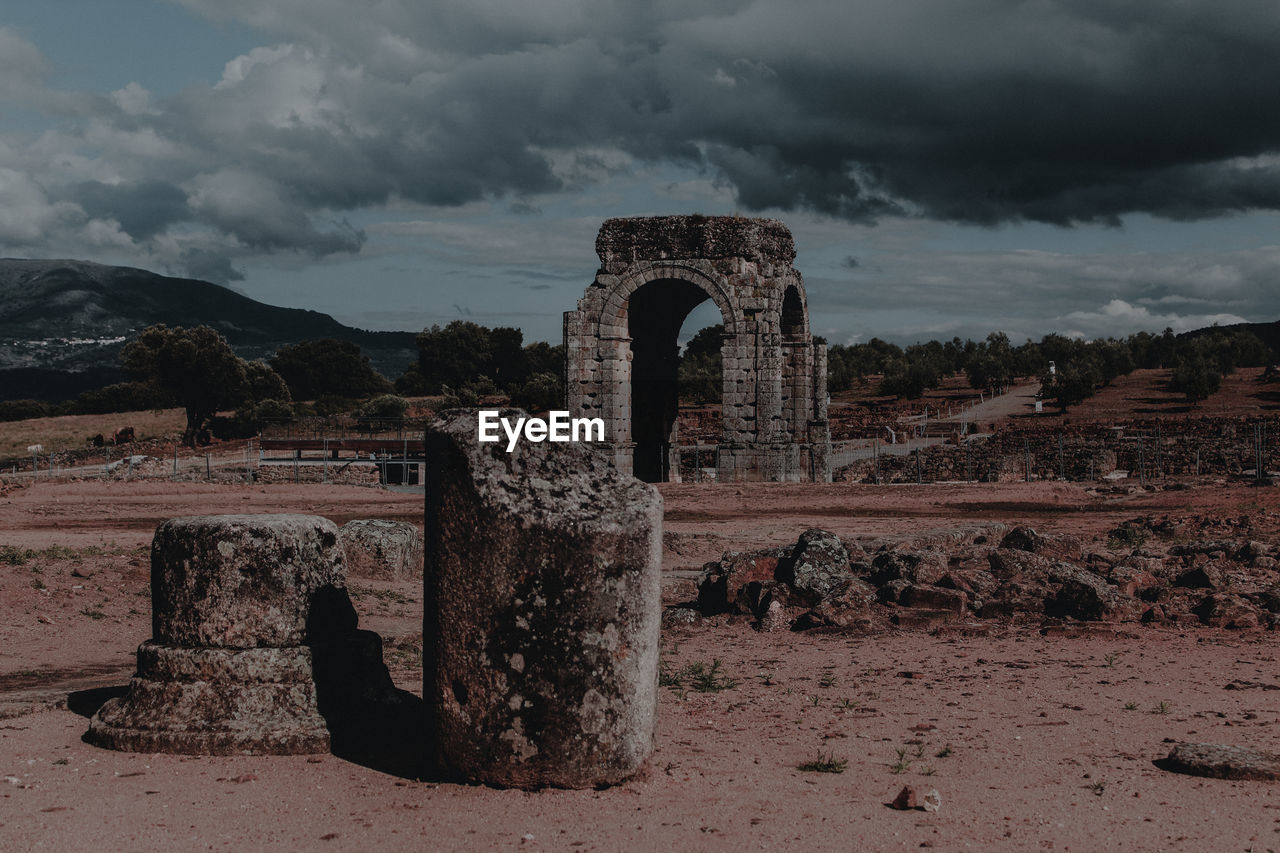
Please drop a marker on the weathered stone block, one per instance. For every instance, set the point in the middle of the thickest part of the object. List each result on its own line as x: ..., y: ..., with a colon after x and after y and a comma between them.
x: 240, y: 581
x: 381, y: 549
x: 819, y: 565
x: 542, y: 615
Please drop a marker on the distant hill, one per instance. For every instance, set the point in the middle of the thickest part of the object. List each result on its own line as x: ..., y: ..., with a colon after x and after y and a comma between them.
x: 63, y: 323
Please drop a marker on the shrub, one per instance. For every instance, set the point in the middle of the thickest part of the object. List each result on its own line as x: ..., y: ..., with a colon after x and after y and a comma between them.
x: 21, y: 410
x: 541, y: 393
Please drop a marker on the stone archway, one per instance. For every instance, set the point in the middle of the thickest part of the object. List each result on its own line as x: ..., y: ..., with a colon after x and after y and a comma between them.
x: 621, y: 351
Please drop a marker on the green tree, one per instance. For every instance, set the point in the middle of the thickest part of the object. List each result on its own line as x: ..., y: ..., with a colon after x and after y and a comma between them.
x: 454, y: 356
x: 541, y: 392
x: 313, y: 369
x: 903, y: 378
x: 263, y: 383
x: 1196, y: 377
x: 1115, y: 358
x: 385, y: 411
x: 700, y: 373
x: 195, y: 367
x: 1074, y: 382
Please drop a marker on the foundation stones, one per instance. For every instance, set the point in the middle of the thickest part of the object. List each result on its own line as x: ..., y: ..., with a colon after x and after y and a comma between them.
x: 251, y: 627
x: 541, y: 612
x: 381, y: 550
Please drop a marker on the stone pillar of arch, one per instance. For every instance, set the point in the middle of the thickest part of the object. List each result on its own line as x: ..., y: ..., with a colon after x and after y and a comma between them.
x: 621, y: 351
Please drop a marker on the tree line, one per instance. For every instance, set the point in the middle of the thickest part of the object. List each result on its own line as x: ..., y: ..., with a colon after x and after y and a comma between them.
x: 1080, y: 368
x: 197, y: 370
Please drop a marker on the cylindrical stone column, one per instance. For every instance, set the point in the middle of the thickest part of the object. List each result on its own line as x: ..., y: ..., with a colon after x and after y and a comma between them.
x: 542, y: 611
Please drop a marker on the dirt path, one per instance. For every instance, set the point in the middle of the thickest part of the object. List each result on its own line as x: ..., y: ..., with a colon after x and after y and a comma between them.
x: 1016, y: 401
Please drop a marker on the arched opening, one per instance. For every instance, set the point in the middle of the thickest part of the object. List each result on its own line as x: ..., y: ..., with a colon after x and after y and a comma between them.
x: 792, y: 314
x: 655, y: 314
x: 797, y: 363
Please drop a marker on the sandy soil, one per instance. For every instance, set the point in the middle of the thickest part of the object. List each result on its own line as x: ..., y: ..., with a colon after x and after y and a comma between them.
x: 1032, y: 741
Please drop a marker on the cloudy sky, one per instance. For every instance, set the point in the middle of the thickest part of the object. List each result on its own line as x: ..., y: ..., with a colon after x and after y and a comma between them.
x: 1088, y: 167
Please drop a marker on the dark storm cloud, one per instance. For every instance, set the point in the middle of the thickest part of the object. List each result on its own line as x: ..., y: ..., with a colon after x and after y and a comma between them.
x: 979, y: 112
x: 143, y: 208
x: 209, y: 266
x: 983, y: 112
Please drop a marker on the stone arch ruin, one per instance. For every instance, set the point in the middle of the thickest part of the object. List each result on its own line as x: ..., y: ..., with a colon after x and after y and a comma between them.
x: 621, y: 350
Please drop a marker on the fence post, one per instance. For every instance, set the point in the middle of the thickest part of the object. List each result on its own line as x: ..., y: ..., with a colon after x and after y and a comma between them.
x: 208, y: 469
x: 1142, y: 464
x: 919, y: 466
x: 1026, y: 459
x: 1257, y: 451
x: 1062, y: 468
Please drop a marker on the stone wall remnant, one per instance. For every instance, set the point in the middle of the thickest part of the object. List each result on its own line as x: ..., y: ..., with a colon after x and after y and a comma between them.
x: 249, y: 615
x: 622, y: 353
x: 542, y: 611
x: 381, y: 549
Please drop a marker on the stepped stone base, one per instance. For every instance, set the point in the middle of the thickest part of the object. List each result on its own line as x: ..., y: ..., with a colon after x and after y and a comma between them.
x: 263, y: 701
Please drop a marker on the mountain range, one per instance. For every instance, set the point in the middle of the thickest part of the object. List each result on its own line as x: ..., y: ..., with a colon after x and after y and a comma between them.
x: 63, y: 323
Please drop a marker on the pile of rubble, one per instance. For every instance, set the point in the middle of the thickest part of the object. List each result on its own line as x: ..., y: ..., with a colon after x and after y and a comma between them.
x: 1145, y: 573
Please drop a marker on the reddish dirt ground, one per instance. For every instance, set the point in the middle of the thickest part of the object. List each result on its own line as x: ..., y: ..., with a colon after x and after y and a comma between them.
x: 1033, y: 742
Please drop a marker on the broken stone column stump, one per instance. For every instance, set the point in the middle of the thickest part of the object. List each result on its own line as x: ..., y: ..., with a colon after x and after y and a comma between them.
x: 382, y: 550
x: 542, y: 611
x: 241, y: 607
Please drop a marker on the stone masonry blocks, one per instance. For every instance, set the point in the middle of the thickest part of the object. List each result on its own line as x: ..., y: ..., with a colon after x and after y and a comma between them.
x: 744, y: 265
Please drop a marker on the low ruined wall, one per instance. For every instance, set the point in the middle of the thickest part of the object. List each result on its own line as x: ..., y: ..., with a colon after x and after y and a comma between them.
x: 1214, y: 446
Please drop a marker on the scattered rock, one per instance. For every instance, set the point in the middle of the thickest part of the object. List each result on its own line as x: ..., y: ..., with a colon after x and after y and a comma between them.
x: 1007, y: 563
x: 819, y: 565
x: 1057, y: 546
x: 913, y: 797
x: 674, y: 617
x: 775, y: 618
x: 1206, y: 576
x: 1223, y: 610
x: 1221, y: 761
x: 722, y: 581
x: 924, y: 567
x: 1082, y: 595
x: 934, y: 598
x: 906, y: 800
